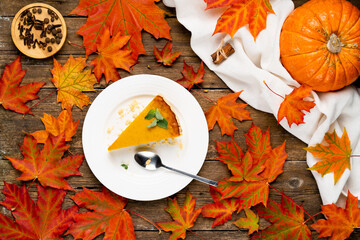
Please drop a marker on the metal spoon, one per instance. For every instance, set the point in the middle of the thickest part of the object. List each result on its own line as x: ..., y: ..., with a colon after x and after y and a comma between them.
x: 152, y: 161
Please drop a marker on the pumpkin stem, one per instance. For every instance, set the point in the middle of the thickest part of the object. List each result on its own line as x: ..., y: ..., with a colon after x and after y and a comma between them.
x: 334, y: 44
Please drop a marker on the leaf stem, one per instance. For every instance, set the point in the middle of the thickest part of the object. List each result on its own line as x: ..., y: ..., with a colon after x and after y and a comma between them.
x: 312, y: 218
x: 40, y: 101
x: 158, y: 228
x: 204, y: 96
x: 205, y: 91
x: 77, y: 45
x: 196, y: 234
x: 272, y: 90
x: 283, y: 194
x: 27, y: 188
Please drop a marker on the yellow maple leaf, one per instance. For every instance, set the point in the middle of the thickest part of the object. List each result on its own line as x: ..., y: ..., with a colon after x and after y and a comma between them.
x: 71, y: 80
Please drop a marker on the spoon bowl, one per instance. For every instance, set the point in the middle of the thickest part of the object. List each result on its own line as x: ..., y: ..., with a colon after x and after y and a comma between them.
x: 151, y: 161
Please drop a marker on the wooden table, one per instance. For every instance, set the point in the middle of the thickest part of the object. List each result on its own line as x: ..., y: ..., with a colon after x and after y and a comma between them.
x: 296, y: 181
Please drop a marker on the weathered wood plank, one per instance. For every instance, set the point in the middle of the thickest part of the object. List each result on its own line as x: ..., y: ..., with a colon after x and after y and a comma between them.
x: 296, y: 182
x: 12, y: 125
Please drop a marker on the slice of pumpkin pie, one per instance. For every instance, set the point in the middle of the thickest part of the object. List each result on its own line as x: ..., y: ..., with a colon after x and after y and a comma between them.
x: 156, y: 122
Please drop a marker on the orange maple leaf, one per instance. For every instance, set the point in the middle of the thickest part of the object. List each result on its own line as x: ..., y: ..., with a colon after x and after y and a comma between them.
x: 47, y: 165
x: 12, y: 95
x: 55, y: 126
x: 44, y: 219
x: 127, y: 17
x: 250, y: 176
x: 340, y: 222
x: 166, y: 57
x: 111, y: 55
x: 184, y: 217
x: 190, y: 77
x: 223, y: 111
x: 108, y: 215
x: 287, y: 220
x: 294, y: 104
x: 335, y: 156
x: 71, y: 80
x: 251, y: 221
x: 221, y: 210
x: 240, y: 13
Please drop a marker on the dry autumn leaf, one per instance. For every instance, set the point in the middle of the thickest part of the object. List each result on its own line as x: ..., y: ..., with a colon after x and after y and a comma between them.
x: 127, y: 17
x: 287, y: 221
x: 166, y: 57
x: 107, y: 215
x: 221, y: 210
x: 190, y: 77
x: 335, y: 155
x: 251, y: 221
x: 12, y: 95
x: 47, y: 165
x: 184, y: 217
x: 44, y: 220
x: 340, y: 222
x: 55, y: 126
x: 240, y: 13
x: 223, y: 111
x: 294, y: 104
x: 250, y: 176
x: 71, y: 80
x: 111, y: 55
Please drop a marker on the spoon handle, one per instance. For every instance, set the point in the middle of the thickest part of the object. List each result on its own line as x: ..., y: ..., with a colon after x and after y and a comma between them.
x: 201, y: 179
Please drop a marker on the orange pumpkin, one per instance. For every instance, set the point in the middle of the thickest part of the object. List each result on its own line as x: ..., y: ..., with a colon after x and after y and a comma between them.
x: 320, y: 44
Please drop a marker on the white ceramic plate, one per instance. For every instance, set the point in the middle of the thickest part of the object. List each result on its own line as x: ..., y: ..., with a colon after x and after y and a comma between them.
x: 111, y: 112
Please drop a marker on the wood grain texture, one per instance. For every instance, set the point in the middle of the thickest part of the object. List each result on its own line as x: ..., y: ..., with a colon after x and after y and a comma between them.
x: 296, y: 181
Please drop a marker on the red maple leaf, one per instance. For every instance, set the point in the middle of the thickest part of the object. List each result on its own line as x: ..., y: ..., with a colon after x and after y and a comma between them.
x: 12, y: 95
x: 111, y: 56
x: 223, y: 111
x: 184, y: 217
x: 229, y: 153
x: 190, y: 77
x: 287, y: 221
x: 246, y: 170
x: 127, y: 17
x: 239, y: 13
x: 221, y: 210
x: 108, y: 215
x: 166, y: 57
x: 55, y: 126
x: 294, y: 104
x: 47, y: 165
x: 43, y: 220
x: 340, y: 222
x: 258, y: 143
x: 251, y: 176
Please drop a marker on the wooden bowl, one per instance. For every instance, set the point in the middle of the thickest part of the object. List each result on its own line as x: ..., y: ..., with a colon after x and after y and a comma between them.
x: 38, y: 51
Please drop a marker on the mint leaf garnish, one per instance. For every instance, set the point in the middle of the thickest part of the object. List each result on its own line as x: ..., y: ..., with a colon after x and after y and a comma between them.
x: 163, y: 123
x: 159, y: 119
x: 153, y: 124
x: 150, y: 114
x: 125, y: 166
x: 158, y: 115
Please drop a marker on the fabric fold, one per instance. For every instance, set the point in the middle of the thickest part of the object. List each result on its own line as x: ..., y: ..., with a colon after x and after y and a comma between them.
x: 256, y: 62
